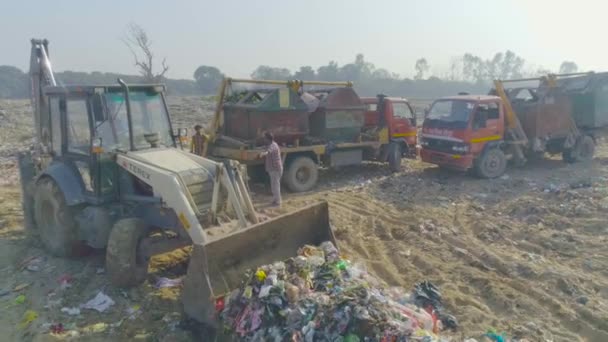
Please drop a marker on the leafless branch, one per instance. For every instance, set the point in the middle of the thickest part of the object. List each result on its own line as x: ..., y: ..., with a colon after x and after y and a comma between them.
x: 139, y: 44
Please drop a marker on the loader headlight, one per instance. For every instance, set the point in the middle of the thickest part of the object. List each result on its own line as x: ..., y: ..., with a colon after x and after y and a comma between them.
x: 424, y: 142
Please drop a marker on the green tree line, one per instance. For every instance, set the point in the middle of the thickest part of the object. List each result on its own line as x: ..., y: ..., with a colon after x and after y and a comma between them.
x: 466, y: 73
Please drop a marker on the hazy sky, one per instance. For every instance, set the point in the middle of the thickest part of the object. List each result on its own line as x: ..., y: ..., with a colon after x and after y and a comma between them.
x: 237, y: 36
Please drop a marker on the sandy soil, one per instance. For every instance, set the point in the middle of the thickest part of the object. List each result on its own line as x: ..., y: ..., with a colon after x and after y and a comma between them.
x: 525, y: 254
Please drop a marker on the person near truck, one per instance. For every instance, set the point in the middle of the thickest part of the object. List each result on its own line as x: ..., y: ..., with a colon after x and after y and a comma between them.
x: 274, y: 166
x: 197, y: 146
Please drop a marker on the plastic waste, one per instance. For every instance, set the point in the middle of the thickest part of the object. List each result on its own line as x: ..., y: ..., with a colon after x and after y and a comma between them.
x: 71, y: 311
x: 101, y: 302
x: 20, y: 299
x: 494, y: 336
x: 28, y: 317
x: 96, y: 328
x: 163, y: 282
x: 314, y: 296
x: 57, y: 329
x: 261, y: 275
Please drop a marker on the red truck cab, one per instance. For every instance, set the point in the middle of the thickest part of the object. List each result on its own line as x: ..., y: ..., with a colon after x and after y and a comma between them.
x: 464, y: 132
x: 397, y: 116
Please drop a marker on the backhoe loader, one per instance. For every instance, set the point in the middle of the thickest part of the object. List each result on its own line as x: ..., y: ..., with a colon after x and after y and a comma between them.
x: 106, y: 171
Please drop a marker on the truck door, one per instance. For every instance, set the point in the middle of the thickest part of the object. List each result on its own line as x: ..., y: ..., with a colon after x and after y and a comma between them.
x: 485, y: 124
x: 402, y: 122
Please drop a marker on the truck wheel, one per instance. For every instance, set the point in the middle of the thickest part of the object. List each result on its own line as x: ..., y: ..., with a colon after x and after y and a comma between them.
x: 124, y: 265
x: 491, y: 164
x: 583, y: 150
x: 301, y: 174
x: 394, y: 157
x: 55, y: 221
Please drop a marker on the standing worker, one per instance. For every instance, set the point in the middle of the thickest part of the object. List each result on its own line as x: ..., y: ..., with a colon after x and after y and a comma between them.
x: 274, y: 167
x: 197, y: 146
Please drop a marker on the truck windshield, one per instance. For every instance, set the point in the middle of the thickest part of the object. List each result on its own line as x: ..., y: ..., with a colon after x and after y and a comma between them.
x: 457, y: 111
x: 148, y: 115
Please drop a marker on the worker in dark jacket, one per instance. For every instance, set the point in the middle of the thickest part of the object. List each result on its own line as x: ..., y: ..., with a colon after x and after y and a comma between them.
x: 274, y: 167
x: 197, y: 145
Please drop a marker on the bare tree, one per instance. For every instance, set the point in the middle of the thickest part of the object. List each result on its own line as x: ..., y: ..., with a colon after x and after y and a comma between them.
x: 422, y: 67
x: 139, y: 43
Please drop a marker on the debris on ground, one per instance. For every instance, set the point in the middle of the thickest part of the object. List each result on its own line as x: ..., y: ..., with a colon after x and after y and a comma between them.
x: 28, y: 317
x: 318, y: 296
x: 163, y: 282
x: 57, y: 329
x: 101, y: 302
x: 71, y: 311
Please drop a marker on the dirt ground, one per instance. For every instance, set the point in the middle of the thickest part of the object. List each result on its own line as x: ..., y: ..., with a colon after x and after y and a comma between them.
x: 525, y: 254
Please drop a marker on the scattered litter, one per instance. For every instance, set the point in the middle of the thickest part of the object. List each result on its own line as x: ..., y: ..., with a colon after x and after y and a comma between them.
x: 57, y: 329
x: 28, y: 317
x: 583, y: 300
x: 133, y: 311
x: 504, y: 177
x: 21, y: 287
x: 32, y: 264
x: 20, y: 299
x: 100, y: 270
x: 4, y: 292
x: 101, y: 302
x: 95, y: 328
x: 494, y: 336
x: 27, y: 261
x: 65, y: 281
x: 303, y: 299
x: 52, y: 303
x: 166, y: 282
x: 71, y: 311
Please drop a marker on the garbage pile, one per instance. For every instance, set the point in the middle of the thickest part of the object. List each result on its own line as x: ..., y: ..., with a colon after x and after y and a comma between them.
x: 318, y: 296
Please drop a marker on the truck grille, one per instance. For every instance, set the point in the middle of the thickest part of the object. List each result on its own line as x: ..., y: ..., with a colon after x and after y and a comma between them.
x: 439, y: 145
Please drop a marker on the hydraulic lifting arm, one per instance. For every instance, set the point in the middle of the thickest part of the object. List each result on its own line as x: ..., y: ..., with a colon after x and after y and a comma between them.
x: 41, y: 75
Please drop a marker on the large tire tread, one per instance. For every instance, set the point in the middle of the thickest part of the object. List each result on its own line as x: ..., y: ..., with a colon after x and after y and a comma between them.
x: 123, y: 265
x: 290, y: 177
x: 55, y: 222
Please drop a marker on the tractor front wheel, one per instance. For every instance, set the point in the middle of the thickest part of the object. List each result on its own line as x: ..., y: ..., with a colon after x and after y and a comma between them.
x: 125, y: 265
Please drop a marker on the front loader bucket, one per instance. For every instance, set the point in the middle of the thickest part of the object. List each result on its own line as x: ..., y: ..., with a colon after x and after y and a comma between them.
x: 218, y: 267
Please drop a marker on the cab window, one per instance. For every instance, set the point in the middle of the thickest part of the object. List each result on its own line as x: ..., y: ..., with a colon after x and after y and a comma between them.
x: 77, y: 126
x: 402, y: 110
x: 490, y: 110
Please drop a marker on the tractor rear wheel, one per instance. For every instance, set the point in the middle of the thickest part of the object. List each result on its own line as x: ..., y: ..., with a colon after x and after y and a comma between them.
x: 125, y: 266
x: 491, y: 164
x: 394, y: 157
x: 301, y: 175
x: 54, y: 219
